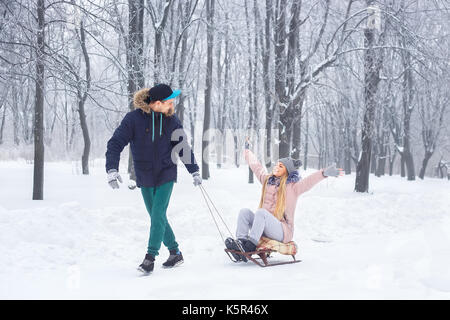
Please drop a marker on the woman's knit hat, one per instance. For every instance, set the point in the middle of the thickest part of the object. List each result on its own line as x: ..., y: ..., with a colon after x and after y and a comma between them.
x: 291, y: 164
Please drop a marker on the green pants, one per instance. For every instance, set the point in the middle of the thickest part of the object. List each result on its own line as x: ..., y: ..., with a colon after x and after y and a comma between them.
x: 156, y: 201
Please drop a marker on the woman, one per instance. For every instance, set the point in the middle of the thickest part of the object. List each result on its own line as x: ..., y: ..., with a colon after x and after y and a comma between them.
x: 275, y: 217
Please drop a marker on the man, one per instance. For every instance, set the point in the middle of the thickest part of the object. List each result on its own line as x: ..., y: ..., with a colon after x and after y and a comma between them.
x: 153, y: 131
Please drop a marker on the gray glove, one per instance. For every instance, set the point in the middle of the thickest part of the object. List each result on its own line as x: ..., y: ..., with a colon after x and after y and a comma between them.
x: 197, y: 178
x: 113, y: 177
x: 332, y: 171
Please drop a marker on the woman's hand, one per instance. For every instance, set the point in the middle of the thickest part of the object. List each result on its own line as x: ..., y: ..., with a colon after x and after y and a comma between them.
x: 247, y: 144
x: 332, y: 171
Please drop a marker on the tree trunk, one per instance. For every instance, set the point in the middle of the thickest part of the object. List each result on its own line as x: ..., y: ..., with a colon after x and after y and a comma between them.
x: 381, y: 167
x: 280, y: 79
x: 15, y: 114
x: 52, y: 127
x: 424, y: 164
x: 249, y: 84
x: 407, y: 108
x: 347, y: 148
x: 86, y: 139
x: 134, y: 54
x: 391, y: 161
x: 208, y: 88
x: 254, y: 103
x: 402, y: 165
x: 383, y: 145
x: 66, y: 121
x: 409, y: 162
x: 184, y: 12
x: 38, y: 172
x: 236, y: 150
x: 391, y: 167
x: 265, y: 51
x: 82, y: 99
x: 374, y: 159
x: 220, y: 107
x: 296, y: 139
x: 2, y: 126
x: 305, y: 159
x: 26, y: 111
x: 225, y: 102
x: 291, y: 62
x: 371, y: 80
x: 159, y: 28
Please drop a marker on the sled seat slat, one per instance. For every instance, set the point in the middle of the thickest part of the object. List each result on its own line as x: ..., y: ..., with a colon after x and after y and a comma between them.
x: 289, y: 248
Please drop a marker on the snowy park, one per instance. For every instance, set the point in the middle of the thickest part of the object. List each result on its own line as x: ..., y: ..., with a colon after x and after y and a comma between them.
x: 149, y: 148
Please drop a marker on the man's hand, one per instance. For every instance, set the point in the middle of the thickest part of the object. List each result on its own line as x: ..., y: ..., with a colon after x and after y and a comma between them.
x: 113, y: 177
x: 197, y: 178
x: 332, y: 171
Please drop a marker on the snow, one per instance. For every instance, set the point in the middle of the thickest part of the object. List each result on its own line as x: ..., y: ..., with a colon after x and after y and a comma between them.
x: 85, y: 240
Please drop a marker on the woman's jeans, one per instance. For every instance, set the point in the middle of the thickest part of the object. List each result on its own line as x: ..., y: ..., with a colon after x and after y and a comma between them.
x: 156, y: 201
x: 252, y: 226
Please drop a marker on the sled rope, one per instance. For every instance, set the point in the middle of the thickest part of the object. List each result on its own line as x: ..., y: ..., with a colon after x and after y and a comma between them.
x: 211, y: 212
x: 210, y: 203
x: 217, y: 211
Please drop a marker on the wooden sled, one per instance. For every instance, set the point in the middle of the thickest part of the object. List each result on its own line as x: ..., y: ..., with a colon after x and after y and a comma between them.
x: 265, y: 248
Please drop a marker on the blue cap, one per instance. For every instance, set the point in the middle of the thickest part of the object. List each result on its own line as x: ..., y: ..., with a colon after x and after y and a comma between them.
x: 161, y: 92
x: 174, y: 94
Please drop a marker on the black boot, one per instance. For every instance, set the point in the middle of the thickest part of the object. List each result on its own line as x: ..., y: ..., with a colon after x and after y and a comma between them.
x: 175, y: 259
x: 231, y: 244
x: 148, y: 264
x: 247, y: 245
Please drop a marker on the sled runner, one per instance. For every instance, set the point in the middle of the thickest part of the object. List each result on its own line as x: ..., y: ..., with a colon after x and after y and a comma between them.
x: 265, y: 248
x: 261, y: 260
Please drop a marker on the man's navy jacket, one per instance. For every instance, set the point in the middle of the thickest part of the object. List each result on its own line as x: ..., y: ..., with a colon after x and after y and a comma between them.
x: 149, y: 135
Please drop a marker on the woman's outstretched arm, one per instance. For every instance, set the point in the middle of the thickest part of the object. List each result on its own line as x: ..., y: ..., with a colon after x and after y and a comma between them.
x: 313, y: 179
x: 307, y: 183
x: 258, y: 169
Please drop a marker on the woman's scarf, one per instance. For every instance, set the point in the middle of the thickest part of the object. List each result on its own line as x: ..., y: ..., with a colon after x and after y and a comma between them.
x: 292, y: 178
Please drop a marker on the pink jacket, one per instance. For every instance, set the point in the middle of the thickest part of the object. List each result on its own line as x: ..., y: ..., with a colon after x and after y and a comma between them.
x: 293, y: 191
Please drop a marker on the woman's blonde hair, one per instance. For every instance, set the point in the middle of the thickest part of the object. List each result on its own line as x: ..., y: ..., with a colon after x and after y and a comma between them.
x: 280, y: 207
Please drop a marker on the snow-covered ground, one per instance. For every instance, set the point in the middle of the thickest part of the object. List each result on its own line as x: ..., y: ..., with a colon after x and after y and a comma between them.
x: 85, y: 240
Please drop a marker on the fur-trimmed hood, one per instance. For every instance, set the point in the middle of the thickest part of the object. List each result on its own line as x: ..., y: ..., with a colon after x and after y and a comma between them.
x: 293, y: 177
x: 139, y: 100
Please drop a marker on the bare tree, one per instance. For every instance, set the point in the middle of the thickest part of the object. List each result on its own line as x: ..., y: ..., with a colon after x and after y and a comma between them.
x: 38, y: 172
x: 372, y: 66
x: 82, y: 96
x: 210, y: 4
x: 432, y: 103
x: 159, y: 24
